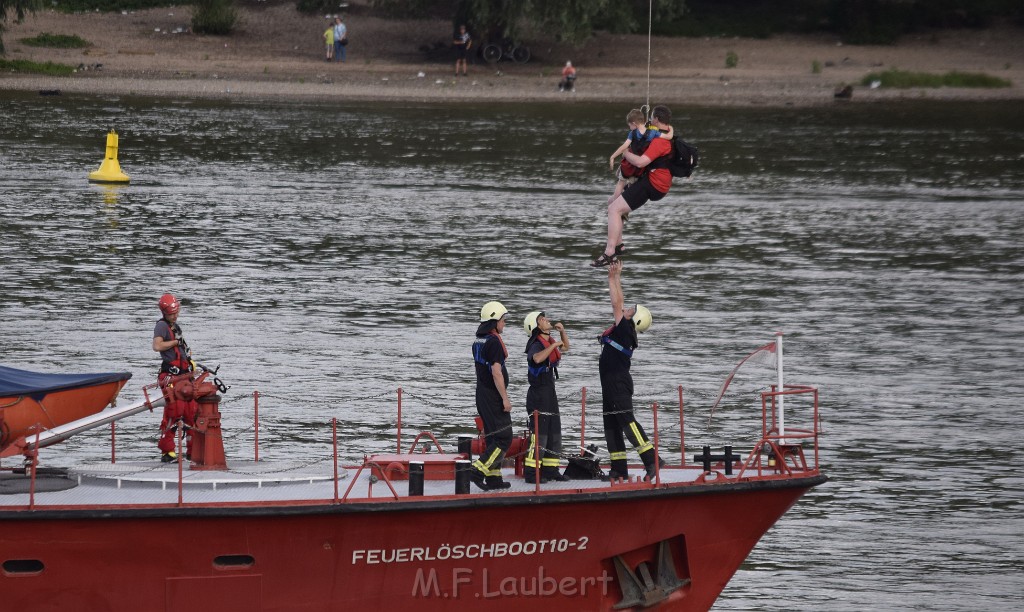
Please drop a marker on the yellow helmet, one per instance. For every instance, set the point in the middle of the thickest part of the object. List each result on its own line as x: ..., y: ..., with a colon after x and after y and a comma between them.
x: 530, y: 322
x: 492, y: 311
x: 642, y: 318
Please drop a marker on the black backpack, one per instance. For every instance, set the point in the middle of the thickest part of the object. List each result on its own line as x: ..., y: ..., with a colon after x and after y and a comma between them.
x: 685, y: 157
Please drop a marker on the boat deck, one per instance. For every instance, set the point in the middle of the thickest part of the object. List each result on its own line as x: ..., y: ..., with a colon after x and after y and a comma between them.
x: 155, y: 483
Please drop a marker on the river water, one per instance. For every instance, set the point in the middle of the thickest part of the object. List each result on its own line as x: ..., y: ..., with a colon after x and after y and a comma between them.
x: 326, y: 255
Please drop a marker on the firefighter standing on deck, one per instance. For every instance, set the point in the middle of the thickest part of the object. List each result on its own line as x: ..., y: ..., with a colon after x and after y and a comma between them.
x: 618, y: 343
x: 492, y: 401
x: 176, y: 359
x: 542, y: 356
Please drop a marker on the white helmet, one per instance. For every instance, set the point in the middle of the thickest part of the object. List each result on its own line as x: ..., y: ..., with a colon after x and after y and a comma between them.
x: 530, y: 322
x: 492, y: 311
x: 642, y: 318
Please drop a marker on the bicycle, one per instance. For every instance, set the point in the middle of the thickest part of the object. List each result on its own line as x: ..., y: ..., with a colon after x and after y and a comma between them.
x: 495, y: 52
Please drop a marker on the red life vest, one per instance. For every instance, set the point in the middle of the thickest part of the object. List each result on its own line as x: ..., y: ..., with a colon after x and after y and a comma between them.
x: 555, y: 355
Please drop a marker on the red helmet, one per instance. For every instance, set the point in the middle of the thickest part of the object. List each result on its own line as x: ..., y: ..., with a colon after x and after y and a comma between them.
x: 169, y: 305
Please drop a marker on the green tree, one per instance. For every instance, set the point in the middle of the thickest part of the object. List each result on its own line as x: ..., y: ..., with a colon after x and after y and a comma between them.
x: 216, y: 17
x: 19, y: 8
x: 571, y: 21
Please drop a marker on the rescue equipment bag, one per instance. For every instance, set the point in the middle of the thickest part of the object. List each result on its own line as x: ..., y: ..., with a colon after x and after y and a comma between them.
x: 587, y: 467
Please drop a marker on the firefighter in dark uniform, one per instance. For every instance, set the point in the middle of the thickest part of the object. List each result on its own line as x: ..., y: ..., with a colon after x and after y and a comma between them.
x: 618, y: 343
x: 492, y: 400
x: 176, y: 359
x: 543, y: 354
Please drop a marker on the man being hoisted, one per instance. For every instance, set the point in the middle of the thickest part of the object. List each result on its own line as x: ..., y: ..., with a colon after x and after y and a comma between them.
x: 176, y: 360
x: 492, y: 400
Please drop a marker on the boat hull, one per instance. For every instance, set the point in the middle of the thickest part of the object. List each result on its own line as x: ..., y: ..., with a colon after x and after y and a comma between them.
x: 455, y: 553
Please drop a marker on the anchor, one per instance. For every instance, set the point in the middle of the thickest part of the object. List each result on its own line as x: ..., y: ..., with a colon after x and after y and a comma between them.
x: 644, y: 590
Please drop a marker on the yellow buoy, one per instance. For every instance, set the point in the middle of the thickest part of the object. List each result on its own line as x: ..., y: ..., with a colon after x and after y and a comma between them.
x: 110, y: 170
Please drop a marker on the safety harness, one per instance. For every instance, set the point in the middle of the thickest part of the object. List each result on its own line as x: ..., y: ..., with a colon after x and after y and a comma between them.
x: 478, y: 348
x: 615, y: 345
x: 182, y: 361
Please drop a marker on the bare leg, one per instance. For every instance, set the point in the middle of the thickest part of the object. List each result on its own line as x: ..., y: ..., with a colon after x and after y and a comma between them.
x: 619, y: 186
x: 616, y: 210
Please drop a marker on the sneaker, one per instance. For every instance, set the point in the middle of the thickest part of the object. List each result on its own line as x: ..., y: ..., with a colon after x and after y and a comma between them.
x: 170, y: 457
x: 477, y: 477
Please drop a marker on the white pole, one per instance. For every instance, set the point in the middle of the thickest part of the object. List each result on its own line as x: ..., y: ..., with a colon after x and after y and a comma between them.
x: 782, y: 398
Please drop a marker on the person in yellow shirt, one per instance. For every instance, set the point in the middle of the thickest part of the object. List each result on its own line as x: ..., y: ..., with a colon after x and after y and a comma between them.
x: 329, y: 39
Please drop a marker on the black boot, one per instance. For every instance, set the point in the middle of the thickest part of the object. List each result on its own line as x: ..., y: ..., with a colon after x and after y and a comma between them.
x: 477, y: 477
x: 551, y: 473
x: 650, y: 468
x: 613, y: 475
x: 530, y: 476
x: 496, y: 482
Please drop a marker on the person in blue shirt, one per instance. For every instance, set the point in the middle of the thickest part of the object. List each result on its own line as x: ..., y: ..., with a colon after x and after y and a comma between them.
x: 543, y: 354
x: 617, y: 345
x: 492, y: 401
x: 340, y: 40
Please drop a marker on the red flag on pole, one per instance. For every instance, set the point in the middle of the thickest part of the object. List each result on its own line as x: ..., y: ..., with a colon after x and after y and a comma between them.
x: 764, y: 355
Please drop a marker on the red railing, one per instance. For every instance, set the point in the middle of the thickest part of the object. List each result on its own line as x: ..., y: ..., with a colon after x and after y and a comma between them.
x: 783, y: 447
x: 775, y: 450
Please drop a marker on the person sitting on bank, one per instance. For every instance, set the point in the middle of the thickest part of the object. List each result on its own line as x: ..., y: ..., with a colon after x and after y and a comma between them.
x: 543, y: 354
x: 568, y: 82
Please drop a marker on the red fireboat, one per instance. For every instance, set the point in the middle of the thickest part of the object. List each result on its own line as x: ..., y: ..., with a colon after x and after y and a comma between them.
x: 396, y: 531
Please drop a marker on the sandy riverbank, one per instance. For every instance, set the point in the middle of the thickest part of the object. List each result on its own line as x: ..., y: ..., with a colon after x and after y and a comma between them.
x: 277, y: 53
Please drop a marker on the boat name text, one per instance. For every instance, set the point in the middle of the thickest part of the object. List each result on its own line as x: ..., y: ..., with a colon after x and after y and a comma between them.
x: 467, y: 551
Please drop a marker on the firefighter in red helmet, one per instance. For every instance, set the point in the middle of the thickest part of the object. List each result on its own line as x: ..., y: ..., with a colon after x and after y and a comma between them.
x: 176, y: 359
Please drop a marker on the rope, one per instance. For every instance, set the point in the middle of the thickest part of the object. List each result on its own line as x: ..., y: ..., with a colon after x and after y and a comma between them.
x: 650, y: 20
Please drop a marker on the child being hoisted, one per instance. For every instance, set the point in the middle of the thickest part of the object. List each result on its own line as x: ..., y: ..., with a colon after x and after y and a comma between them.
x: 637, y: 140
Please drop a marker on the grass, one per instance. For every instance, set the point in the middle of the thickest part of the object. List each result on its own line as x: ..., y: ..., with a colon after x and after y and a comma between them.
x: 56, y: 41
x: 48, y: 68
x: 902, y: 79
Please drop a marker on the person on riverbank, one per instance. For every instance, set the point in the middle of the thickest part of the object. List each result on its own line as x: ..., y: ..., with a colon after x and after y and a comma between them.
x: 176, y: 359
x: 568, y: 82
x: 652, y: 185
x: 462, y: 42
x: 340, y: 39
x: 329, y: 39
x: 543, y: 354
x: 638, y: 138
x: 617, y: 345
x: 492, y: 401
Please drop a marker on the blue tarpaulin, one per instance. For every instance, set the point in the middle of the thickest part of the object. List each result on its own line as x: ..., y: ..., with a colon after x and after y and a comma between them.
x: 36, y: 385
